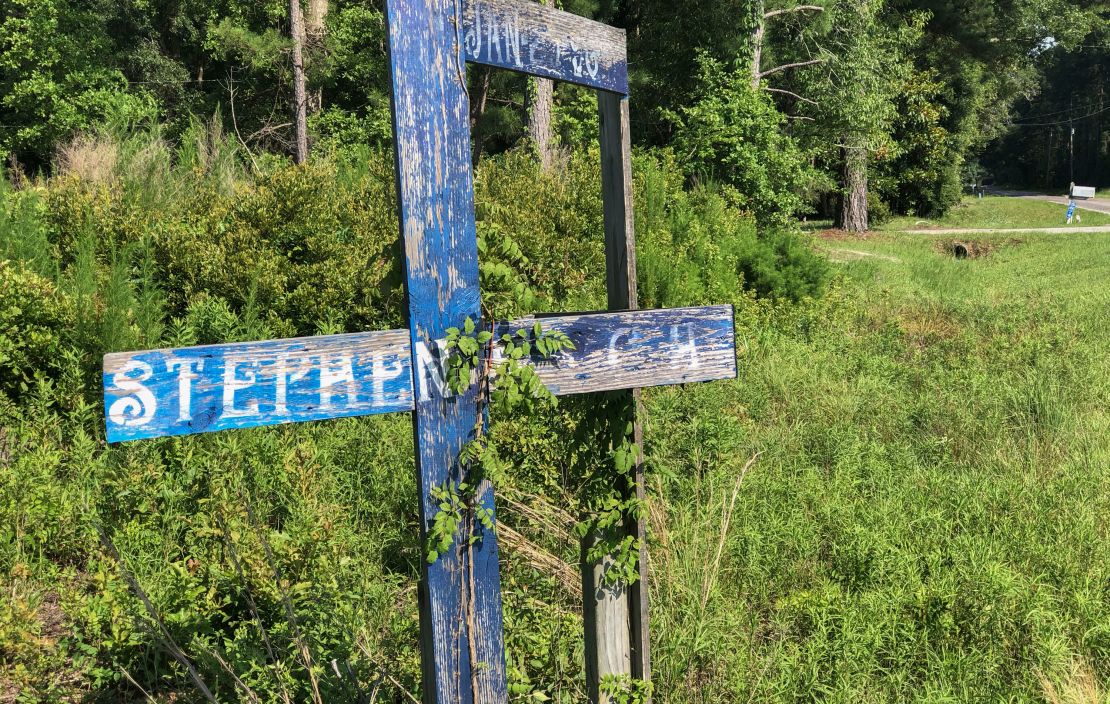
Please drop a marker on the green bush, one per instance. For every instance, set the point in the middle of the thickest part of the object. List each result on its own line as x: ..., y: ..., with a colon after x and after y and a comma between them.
x: 695, y: 247
x: 291, y: 244
x: 176, y: 245
x: 733, y: 134
x: 33, y: 320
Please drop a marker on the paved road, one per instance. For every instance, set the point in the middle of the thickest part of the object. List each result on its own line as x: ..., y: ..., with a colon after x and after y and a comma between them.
x: 995, y: 231
x: 1099, y: 205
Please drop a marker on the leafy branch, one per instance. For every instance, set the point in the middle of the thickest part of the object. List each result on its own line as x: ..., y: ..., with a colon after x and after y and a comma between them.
x: 507, y: 378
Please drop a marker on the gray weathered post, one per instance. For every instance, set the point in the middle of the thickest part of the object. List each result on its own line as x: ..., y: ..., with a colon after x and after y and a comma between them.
x: 616, y: 616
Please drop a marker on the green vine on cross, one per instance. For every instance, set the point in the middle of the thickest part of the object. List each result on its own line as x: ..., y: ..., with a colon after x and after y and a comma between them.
x: 503, y: 368
x: 511, y: 384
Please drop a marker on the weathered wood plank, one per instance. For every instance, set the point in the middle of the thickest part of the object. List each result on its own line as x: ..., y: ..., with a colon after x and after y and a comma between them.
x: 617, y: 201
x: 614, y: 651
x: 222, y: 387
x: 640, y: 348
x: 159, y: 393
x: 461, y: 619
x: 528, y: 37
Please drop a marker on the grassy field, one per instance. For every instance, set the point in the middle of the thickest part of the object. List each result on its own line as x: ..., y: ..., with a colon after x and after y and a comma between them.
x: 997, y: 212
x: 929, y: 519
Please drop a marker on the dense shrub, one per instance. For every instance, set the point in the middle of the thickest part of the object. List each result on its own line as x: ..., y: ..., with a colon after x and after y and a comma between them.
x: 294, y: 245
x: 172, y: 245
x: 555, y: 218
x: 696, y: 247
x: 733, y: 134
x: 33, y: 320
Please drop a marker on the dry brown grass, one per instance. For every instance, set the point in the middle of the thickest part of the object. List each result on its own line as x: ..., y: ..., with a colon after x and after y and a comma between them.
x: 1078, y: 685
x: 89, y: 158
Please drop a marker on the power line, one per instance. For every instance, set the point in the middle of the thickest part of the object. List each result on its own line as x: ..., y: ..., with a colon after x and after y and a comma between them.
x: 1058, y: 112
x: 1061, y: 122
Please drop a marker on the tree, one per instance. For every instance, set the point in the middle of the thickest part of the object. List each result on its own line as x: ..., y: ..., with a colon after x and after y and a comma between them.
x: 760, y: 16
x: 315, y: 33
x: 855, y: 89
x: 668, y: 40
x: 57, y: 76
x: 540, y: 105
x: 732, y: 133
x: 300, y: 100
x: 980, y: 62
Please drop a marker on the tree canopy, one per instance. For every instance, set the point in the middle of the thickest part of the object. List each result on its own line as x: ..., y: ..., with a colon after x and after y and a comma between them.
x: 885, y: 105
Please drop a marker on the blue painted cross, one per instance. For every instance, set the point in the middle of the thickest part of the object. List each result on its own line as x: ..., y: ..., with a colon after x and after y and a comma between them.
x: 203, y: 389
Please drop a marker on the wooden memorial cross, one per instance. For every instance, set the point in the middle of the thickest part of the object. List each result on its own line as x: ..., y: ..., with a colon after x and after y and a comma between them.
x: 220, y: 387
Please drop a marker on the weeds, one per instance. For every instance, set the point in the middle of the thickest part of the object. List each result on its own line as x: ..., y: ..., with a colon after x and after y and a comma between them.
x: 927, y: 521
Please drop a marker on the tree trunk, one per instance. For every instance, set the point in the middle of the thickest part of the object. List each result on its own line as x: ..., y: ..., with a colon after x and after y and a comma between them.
x: 541, y: 100
x: 853, y: 203
x: 300, y: 102
x: 316, y: 21
x: 316, y: 30
x: 479, y: 98
x: 757, y: 43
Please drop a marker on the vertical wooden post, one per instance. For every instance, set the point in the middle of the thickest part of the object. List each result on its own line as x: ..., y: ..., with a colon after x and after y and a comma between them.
x: 460, y: 599
x: 611, y: 652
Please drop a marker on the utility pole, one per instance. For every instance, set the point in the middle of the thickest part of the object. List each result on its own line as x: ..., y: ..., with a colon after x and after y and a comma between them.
x: 1071, y: 143
x: 1071, y: 154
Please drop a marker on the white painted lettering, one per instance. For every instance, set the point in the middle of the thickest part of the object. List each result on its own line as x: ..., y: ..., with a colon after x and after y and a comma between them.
x: 495, y: 40
x: 430, y: 372
x: 382, y: 373
x: 512, y: 40
x: 614, y: 358
x: 337, y: 378
x: 473, y: 39
x: 138, y: 408
x: 234, y: 384
x: 576, y: 62
x: 593, y: 63
x: 187, y: 370
x: 687, y: 347
x: 286, y: 372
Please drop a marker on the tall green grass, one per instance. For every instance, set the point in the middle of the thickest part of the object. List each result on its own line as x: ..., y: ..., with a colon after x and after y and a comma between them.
x: 926, y: 519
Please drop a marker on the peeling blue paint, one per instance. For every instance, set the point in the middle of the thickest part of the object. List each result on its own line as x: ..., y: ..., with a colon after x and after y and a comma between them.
x: 163, y: 393
x: 528, y: 37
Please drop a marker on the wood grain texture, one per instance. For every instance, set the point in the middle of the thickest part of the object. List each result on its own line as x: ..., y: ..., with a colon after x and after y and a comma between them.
x: 617, y: 201
x: 605, y: 615
x: 159, y: 393
x: 633, y: 349
x: 621, y: 285
x: 463, y: 652
x: 525, y: 36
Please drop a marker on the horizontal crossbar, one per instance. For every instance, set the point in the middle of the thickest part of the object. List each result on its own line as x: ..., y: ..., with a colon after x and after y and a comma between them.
x: 525, y: 36
x: 163, y: 393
